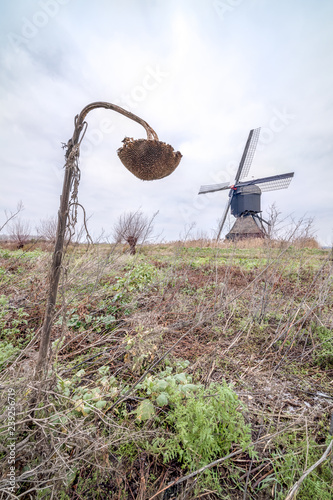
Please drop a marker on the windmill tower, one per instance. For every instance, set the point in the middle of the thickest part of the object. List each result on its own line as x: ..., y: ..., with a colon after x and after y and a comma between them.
x: 245, y: 196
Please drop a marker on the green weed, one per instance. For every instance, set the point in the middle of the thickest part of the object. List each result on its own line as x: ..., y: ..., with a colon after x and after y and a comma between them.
x: 12, y: 324
x: 323, y: 355
x: 290, y: 465
x: 204, y: 424
x: 7, y: 353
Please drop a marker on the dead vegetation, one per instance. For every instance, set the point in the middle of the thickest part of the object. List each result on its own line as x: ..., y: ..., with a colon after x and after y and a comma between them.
x: 257, y: 318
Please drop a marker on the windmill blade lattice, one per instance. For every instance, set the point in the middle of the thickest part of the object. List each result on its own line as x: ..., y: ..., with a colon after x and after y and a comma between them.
x: 277, y: 184
x: 211, y: 188
x: 272, y: 183
x: 244, y: 165
x: 248, y: 154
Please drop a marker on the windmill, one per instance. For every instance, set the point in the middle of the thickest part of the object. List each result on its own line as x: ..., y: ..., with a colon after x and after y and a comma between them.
x: 245, y: 196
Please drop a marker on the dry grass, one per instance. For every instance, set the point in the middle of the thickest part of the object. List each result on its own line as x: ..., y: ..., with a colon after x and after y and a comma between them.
x: 246, y: 243
x: 255, y: 316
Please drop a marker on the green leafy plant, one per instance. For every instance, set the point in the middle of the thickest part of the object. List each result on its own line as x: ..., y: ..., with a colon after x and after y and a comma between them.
x: 203, y: 424
x: 12, y: 324
x: 323, y: 355
x: 7, y: 352
x: 164, y: 389
x: 206, y: 425
x: 85, y: 398
x: 134, y: 280
x: 96, y: 322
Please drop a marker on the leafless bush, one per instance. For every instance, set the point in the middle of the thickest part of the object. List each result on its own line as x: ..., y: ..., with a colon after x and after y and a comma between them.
x: 47, y: 232
x: 273, y: 221
x: 304, y: 237
x: 47, y: 229
x: 133, y: 228
x: 289, y: 230
x: 19, y: 232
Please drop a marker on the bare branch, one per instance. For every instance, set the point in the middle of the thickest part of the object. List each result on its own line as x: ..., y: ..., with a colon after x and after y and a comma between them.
x: 11, y: 215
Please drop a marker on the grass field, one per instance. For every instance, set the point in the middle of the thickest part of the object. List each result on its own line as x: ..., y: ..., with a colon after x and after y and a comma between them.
x: 164, y: 363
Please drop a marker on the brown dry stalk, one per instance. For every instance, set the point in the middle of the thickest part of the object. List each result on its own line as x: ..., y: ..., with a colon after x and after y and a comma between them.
x: 297, y: 485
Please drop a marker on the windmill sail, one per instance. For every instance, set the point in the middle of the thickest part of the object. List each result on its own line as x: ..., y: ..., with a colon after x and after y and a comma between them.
x: 210, y: 188
x: 272, y: 183
x: 248, y: 154
x: 244, y: 165
x: 222, y: 221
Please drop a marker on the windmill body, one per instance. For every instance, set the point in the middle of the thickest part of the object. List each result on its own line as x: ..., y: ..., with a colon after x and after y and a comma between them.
x: 247, y: 199
x: 245, y: 196
x: 246, y: 206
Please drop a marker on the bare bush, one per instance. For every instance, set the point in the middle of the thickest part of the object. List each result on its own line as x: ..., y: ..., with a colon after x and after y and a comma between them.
x: 304, y: 237
x: 287, y: 229
x: 273, y: 221
x: 47, y: 232
x: 133, y: 228
x: 20, y: 232
x: 47, y: 229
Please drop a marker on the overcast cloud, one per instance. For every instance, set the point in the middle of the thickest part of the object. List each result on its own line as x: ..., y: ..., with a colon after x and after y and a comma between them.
x: 202, y: 73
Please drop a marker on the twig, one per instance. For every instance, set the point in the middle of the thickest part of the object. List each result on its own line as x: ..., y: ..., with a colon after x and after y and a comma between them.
x: 10, y: 495
x: 297, y: 485
x: 210, y: 373
x: 262, y: 478
x: 163, y: 489
x: 307, y: 444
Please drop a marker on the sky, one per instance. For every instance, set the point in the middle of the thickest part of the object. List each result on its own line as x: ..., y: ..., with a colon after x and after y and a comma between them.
x: 202, y: 73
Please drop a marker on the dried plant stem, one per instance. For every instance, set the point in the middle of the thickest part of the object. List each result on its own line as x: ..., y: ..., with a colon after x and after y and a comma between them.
x: 297, y: 485
x: 70, y: 184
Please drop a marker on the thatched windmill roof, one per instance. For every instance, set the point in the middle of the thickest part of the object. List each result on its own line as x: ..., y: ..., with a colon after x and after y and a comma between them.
x: 245, y: 227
